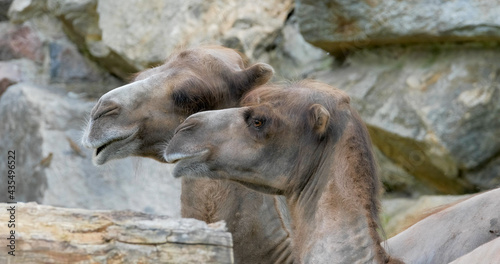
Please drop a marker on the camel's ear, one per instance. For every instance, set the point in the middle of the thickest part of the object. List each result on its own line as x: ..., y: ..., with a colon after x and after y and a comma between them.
x: 320, y: 119
x: 259, y: 73
x: 253, y: 76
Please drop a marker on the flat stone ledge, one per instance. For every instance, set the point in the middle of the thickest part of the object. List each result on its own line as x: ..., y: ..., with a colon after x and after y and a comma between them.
x: 346, y: 25
x: 47, y: 234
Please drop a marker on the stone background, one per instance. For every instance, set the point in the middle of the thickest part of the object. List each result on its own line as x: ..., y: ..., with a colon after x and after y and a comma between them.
x: 424, y: 76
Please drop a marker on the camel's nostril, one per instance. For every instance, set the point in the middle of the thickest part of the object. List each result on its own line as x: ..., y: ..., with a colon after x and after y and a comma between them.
x: 104, y: 109
x: 187, y: 125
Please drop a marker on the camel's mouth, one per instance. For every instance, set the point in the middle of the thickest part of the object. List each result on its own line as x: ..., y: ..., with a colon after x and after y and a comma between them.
x: 99, y: 149
x: 176, y: 157
x: 110, y: 148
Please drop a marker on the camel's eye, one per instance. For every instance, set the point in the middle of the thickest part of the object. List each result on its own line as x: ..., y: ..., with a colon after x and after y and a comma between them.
x: 258, y: 123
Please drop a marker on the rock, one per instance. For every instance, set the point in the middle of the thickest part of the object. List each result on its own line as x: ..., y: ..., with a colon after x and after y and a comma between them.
x: 125, y: 40
x: 46, y: 234
x: 146, y: 36
x: 43, y: 126
x: 72, y: 71
x: 57, y: 60
x: 397, y: 181
x: 80, y: 21
x: 291, y: 56
x: 4, y: 84
x: 6, y: 52
x: 22, y: 10
x: 8, y: 76
x: 339, y: 25
x: 400, y: 213
x: 26, y: 43
x: 434, y: 111
x: 21, y: 70
x: 486, y: 177
x: 20, y: 41
x: 67, y: 65
x: 4, y: 7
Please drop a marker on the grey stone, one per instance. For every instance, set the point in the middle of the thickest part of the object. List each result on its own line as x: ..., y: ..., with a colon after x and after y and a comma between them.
x: 4, y: 7
x: 57, y: 60
x: 291, y: 56
x: 486, y: 177
x: 20, y: 70
x: 21, y: 10
x: 434, y: 111
x: 147, y: 33
x: 397, y: 181
x: 340, y: 24
x: 125, y: 40
x: 42, y: 126
x: 19, y: 41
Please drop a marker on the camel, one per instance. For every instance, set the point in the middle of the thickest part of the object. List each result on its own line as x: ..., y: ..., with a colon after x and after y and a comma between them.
x: 329, y: 156
x: 305, y: 142
x: 137, y: 119
x: 265, y: 226
x: 488, y: 253
x: 462, y: 227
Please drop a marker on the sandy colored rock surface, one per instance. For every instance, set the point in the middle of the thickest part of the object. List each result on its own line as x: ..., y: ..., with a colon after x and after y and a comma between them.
x: 46, y: 234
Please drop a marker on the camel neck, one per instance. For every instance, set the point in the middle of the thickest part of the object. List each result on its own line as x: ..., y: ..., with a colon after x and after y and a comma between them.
x: 337, y: 233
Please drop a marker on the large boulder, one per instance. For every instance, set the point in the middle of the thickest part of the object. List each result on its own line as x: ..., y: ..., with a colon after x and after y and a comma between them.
x: 127, y: 36
x: 20, y: 70
x: 432, y: 110
x: 337, y: 25
x: 397, y: 182
x: 291, y: 56
x: 42, y: 52
x: 4, y: 6
x: 43, y: 127
x: 46, y: 234
x: 20, y: 41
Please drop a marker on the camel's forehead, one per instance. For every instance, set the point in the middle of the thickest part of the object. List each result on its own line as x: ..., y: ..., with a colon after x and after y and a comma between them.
x: 145, y: 88
x: 232, y: 59
x: 219, y: 116
x: 297, y: 97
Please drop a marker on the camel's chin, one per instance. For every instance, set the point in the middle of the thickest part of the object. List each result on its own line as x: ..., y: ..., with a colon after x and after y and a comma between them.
x: 188, y: 168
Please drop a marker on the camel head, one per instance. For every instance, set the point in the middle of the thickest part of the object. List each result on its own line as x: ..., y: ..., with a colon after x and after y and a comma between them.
x: 280, y: 131
x: 136, y: 119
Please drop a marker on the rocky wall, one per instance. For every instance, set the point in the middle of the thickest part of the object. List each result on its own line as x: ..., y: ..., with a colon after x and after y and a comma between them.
x: 425, y: 76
